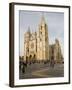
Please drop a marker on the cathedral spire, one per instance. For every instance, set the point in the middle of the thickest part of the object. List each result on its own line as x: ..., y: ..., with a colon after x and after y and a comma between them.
x: 28, y: 30
x: 42, y: 19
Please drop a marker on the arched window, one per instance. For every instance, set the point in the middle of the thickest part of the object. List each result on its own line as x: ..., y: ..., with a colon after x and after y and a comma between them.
x: 52, y: 57
x: 34, y: 57
x: 41, y: 27
x: 27, y: 58
x: 45, y: 26
x: 30, y: 57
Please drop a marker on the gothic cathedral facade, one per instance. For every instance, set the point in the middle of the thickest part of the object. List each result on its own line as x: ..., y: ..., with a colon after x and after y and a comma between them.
x: 36, y: 45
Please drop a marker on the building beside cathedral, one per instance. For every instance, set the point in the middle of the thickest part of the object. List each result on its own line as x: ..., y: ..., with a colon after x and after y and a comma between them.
x: 37, y: 47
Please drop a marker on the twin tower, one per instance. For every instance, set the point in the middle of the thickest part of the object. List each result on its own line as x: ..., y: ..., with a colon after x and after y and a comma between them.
x: 36, y: 44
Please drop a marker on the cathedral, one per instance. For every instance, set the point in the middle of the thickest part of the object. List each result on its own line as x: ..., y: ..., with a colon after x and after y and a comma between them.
x: 37, y: 47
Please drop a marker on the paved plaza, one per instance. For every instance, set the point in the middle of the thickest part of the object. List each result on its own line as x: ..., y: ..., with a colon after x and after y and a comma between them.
x: 41, y: 70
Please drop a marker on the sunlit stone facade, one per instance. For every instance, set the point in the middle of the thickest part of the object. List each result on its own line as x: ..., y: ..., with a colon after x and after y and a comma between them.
x: 36, y: 45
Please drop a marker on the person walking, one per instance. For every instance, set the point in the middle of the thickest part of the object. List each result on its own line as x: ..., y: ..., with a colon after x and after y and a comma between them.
x: 52, y: 63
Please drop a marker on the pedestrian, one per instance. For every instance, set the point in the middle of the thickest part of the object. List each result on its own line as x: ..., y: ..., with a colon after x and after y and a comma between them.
x: 52, y: 62
x: 23, y: 69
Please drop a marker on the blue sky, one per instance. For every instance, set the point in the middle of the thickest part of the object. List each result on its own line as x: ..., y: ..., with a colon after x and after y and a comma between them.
x: 54, y: 20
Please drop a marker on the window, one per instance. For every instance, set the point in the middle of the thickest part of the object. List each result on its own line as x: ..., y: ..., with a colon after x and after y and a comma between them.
x: 41, y: 26
x: 45, y: 26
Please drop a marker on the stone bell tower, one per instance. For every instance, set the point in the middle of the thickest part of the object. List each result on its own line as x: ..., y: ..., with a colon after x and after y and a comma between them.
x: 26, y: 44
x: 43, y: 40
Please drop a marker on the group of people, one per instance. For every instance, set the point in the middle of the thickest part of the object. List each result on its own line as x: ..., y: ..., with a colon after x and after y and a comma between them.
x: 23, y: 65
